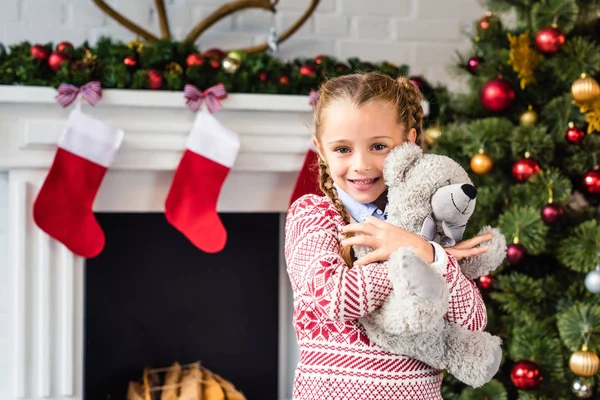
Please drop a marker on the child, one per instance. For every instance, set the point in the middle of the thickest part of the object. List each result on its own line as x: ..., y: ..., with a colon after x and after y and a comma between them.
x: 359, y: 118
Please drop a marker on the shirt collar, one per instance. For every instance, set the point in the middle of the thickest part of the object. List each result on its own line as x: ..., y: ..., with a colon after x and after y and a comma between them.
x: 356, y: 209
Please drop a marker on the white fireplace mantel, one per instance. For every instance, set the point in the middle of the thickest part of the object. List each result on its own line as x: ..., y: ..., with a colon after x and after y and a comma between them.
x: 43, y: 330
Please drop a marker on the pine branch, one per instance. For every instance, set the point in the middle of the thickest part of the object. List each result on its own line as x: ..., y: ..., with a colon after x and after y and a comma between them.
x: 578, y: 324
x: 524, y: 222
x: 492, y: 390
x: 579, y: 251
x: 564, y: 13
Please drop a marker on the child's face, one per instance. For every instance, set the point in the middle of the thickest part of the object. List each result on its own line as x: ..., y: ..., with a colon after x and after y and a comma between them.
x: 354, y: 143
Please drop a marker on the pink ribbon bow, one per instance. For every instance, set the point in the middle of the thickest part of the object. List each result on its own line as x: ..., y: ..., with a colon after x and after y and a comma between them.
x: 313, y: 97
x: 212, y: 96
x: 67, y: 93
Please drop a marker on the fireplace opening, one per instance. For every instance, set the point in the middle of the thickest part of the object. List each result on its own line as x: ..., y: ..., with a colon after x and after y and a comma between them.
x: 152, y: 298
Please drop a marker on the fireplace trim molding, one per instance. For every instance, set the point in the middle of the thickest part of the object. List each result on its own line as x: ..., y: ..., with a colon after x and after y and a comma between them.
x: 43, y: 329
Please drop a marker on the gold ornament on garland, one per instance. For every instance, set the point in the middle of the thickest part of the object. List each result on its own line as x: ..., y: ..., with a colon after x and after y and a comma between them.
x: 232, y: 62
x: 481, y: 163
x: 136, y: 45
x: 529, y: 117
x: 523, y: 58
x: 174, y: 67
x: 584, y: 362
x: 592, y: 116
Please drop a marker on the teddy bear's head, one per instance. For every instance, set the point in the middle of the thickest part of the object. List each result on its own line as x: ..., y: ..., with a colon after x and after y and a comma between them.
x: 431, y: 195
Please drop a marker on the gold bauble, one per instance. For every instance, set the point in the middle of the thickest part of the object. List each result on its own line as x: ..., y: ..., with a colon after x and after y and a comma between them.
x: 584, y: 363
x: 585, y: 90
x: 236, y: 55
x: 231, y: 65
x: 432, y: 134
x: 528, y: 118
x: 481, y: 163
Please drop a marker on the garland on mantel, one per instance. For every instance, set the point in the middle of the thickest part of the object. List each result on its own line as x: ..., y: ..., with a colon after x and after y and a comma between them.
x: 170, y: 65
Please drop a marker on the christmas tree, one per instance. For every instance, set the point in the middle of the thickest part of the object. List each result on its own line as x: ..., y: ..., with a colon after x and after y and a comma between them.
x: 527, y: 128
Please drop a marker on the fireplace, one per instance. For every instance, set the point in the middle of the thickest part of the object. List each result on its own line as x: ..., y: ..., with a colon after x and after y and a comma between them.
x: 42, y: 332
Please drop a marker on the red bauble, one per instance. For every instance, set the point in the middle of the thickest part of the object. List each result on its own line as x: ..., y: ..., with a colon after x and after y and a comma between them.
x: 549, y: 40
x: 515, y: 253
x: 320, y: 58
x: 284, y: 80
x: 39, y: 52
x: 591, y: 181
x: 308, y: 70
x: 485, y: 282
x: 473, y: 64
x: 526, y: 375
x: 524, y: 169
x: 155, y: 79
x: 574, y: 134
x: 263, y: 76
x: 552, y: 212
x: 496, y: 95
x: 56, y: 59
x: 130, y: 61
x: 194, y: 59
x: 214, y: 53
x: 62, y: 46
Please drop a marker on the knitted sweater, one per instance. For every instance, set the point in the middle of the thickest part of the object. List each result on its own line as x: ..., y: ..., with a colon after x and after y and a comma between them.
x: 337, y: 359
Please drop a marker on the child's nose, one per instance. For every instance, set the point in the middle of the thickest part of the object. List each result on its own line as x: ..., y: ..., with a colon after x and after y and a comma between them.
x: 362, y: 162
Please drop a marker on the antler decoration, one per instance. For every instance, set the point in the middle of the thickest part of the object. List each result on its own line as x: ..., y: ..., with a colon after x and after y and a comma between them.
x: 220, y: 13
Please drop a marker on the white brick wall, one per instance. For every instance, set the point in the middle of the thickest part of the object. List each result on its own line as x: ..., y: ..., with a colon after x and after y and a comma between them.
x: 421, y: 33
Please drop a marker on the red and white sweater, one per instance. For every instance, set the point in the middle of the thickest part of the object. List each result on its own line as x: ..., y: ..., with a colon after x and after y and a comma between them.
x: 337, y: 359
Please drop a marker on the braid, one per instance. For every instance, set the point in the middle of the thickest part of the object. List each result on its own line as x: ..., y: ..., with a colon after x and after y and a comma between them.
x: 415, y: 113
x: 326, y: 184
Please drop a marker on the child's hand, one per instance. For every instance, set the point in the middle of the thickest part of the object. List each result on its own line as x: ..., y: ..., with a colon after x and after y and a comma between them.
x: 385, y: 239
x: 467, y: 248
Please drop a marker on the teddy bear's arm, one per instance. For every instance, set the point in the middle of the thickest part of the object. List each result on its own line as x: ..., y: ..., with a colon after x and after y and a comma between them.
x: 317, y: 270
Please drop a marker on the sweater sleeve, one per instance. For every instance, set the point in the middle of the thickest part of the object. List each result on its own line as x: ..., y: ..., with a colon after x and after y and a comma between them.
x: 316, y: 269
x: 466, y: 306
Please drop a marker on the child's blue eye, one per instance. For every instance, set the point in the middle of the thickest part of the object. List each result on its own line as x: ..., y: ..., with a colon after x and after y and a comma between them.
x: 342, y: 150
x: 379, y: 146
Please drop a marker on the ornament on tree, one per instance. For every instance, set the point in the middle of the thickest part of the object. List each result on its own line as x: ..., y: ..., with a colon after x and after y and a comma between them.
x: 64, y: 46
x: 155, y: 79
x: 308, y: 70
x: 432, y: 134
x: 584, y: 362
x: 473, y: 64
x: 56, y: 59
x: 481, y: 163
x: 130, y: 61
x: 523, y: 58
x: 284, y: 80
x: 515, y: 253
x: 525, y: 168
x: 497, y: 95
x: 529, y: 117
x: 549, y: 40
x: 488, y: 21
x: 486, y: 282
x: 574, y: 135
x: 551, y: 212
x: 591, y: 181
x: 39, y: 52
x: 592, y: 280
x: 582, y: 388
x: 585, y: 90
x: 263, y: 76
x: 174, y: 68
x: 321, y: 58
x: 214, y: 53
x: 136, y: 45
x: 194, y: 59
x: 231, y: 65
x: 526, y: 375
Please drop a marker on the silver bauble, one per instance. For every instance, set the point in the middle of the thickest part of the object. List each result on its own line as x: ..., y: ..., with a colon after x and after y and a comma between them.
x: 582, y: 388
x: 592, y: 280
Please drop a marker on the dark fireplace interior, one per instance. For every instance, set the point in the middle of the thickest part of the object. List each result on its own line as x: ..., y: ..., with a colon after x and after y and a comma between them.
x: 152, y: 298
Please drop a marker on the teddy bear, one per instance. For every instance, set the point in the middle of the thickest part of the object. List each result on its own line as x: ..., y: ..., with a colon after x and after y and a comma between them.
x: 432, y: 196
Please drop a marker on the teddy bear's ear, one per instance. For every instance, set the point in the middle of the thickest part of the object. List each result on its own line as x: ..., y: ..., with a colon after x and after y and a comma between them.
x: 399, y: 161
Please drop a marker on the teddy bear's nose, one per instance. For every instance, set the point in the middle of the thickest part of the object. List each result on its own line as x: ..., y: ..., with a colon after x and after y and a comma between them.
x: 469, y: 190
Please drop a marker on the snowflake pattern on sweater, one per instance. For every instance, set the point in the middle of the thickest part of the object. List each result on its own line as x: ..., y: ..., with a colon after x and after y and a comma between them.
x: 337, y: 359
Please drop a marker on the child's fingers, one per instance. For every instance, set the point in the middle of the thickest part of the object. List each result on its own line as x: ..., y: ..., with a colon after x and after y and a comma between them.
x: 474, y: 241
x: 363, y: 240
x: 459, y: 254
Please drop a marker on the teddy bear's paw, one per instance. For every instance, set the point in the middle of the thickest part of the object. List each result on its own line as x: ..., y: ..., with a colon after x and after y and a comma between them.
x: 361, y: 251
x: 473, y: 357
x: 483, y: 264
x: 420, y: 297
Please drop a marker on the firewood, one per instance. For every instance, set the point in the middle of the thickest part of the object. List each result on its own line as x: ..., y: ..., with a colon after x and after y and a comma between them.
x: 171, y: 383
